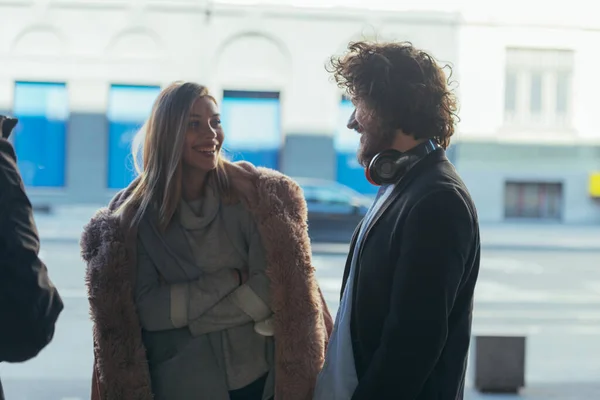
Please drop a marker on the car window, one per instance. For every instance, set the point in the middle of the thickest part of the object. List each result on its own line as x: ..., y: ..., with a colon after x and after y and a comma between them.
x: 326, y: 195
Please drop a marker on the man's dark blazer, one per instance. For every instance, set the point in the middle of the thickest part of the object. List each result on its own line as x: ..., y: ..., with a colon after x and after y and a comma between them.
x: 29, y: 303
x: 413, y: 289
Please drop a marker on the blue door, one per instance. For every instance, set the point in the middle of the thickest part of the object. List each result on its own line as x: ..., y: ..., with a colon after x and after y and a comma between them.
x: 346, y: 142
x: 252, y: 125
x: 40, y: 136
x: 128, y: 108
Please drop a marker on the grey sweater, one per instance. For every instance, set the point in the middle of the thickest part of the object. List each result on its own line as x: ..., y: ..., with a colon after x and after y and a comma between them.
x: 200, y: 295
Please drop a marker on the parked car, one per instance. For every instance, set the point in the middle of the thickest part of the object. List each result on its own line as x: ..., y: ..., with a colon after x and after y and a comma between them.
x: 334, y: 210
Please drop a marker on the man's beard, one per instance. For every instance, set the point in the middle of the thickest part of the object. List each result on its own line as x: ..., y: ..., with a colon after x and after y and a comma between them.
x: 372, y: 144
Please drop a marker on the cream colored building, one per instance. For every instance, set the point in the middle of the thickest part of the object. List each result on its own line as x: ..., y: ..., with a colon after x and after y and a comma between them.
x: 82, y: 73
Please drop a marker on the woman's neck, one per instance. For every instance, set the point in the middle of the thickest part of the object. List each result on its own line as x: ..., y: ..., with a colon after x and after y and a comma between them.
x: 192, y: 186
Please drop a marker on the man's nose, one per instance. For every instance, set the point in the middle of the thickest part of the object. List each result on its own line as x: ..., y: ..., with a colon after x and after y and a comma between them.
x: 352, y: 124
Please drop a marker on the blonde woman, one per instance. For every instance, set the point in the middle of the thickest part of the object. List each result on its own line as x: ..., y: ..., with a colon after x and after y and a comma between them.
x: 199, y: 273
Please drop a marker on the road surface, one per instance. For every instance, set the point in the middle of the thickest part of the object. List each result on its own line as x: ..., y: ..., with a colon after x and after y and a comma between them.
x: 553, y: 297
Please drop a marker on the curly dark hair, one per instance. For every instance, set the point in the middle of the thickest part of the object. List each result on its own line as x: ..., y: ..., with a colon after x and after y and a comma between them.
x: 403, y: 86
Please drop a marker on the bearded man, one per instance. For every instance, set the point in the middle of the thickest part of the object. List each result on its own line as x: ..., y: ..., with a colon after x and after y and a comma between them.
x: 404, y: 323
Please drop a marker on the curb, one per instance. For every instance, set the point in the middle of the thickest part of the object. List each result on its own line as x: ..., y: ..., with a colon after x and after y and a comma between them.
x: 343, y: 248
x: 59, y: 239
x: 540, y: 247
x: 337, y: 249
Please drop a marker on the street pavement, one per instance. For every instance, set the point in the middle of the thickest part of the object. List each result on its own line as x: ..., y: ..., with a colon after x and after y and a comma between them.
x: 65, y: 224
x: 550, y: 294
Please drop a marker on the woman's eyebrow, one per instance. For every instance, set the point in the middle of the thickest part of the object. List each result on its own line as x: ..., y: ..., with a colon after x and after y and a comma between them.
x: 194, y: 115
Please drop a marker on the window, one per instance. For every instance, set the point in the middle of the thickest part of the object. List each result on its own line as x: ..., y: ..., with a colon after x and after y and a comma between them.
x: 533, y: 200
x: 563, y: 83
x: 510, y: 97
x: 252, y: 125
x: 326, y: 195
x: 537, y: 91
x: 328, y: 199
x: 40, y: 136
x: 128, y: 108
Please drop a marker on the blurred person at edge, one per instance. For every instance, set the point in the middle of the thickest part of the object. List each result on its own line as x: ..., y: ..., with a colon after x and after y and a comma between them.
x: 199, y: 273
x: 404, y: 322
x: 29, y: 302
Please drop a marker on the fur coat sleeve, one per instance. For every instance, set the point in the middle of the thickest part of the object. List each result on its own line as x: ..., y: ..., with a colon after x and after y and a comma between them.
x: 301, y: 319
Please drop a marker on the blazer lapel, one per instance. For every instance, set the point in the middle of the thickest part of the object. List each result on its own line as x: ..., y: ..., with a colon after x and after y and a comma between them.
x: 349, y: 257
x: 431, y: 159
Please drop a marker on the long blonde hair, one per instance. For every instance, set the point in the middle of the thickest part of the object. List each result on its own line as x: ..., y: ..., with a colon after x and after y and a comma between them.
x: 160, y: 142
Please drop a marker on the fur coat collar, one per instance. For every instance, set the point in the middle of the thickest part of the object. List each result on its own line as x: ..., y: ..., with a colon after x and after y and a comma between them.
x: 302, y: 320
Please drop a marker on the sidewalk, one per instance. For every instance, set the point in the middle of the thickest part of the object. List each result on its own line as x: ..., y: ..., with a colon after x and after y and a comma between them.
x: 518, y: 236
x: 66, y: 224
x: 544, y: 391
x: 541, y: 236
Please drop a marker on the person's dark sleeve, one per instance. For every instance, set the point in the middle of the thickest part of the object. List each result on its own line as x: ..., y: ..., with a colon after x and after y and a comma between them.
x: 29, y: 302
x: 435, y: 244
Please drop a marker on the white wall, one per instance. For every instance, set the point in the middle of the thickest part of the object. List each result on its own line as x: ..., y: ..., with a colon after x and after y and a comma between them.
x: 482, y: 66
x: 92, y: 43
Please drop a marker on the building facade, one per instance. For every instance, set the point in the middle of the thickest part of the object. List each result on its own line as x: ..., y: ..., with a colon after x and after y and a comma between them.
x: 529, y: 141
x: 82, y: 76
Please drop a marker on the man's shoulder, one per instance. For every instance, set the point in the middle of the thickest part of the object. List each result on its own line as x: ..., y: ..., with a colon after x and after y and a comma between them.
x: 442, y: 178
x: 437, y: 184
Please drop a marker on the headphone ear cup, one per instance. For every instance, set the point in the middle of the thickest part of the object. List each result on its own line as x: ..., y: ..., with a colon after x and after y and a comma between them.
x: 384, y: 167
x: 370, y: 177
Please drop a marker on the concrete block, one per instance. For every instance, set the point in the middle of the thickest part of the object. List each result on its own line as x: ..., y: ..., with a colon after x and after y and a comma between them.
x: 499, y: 364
